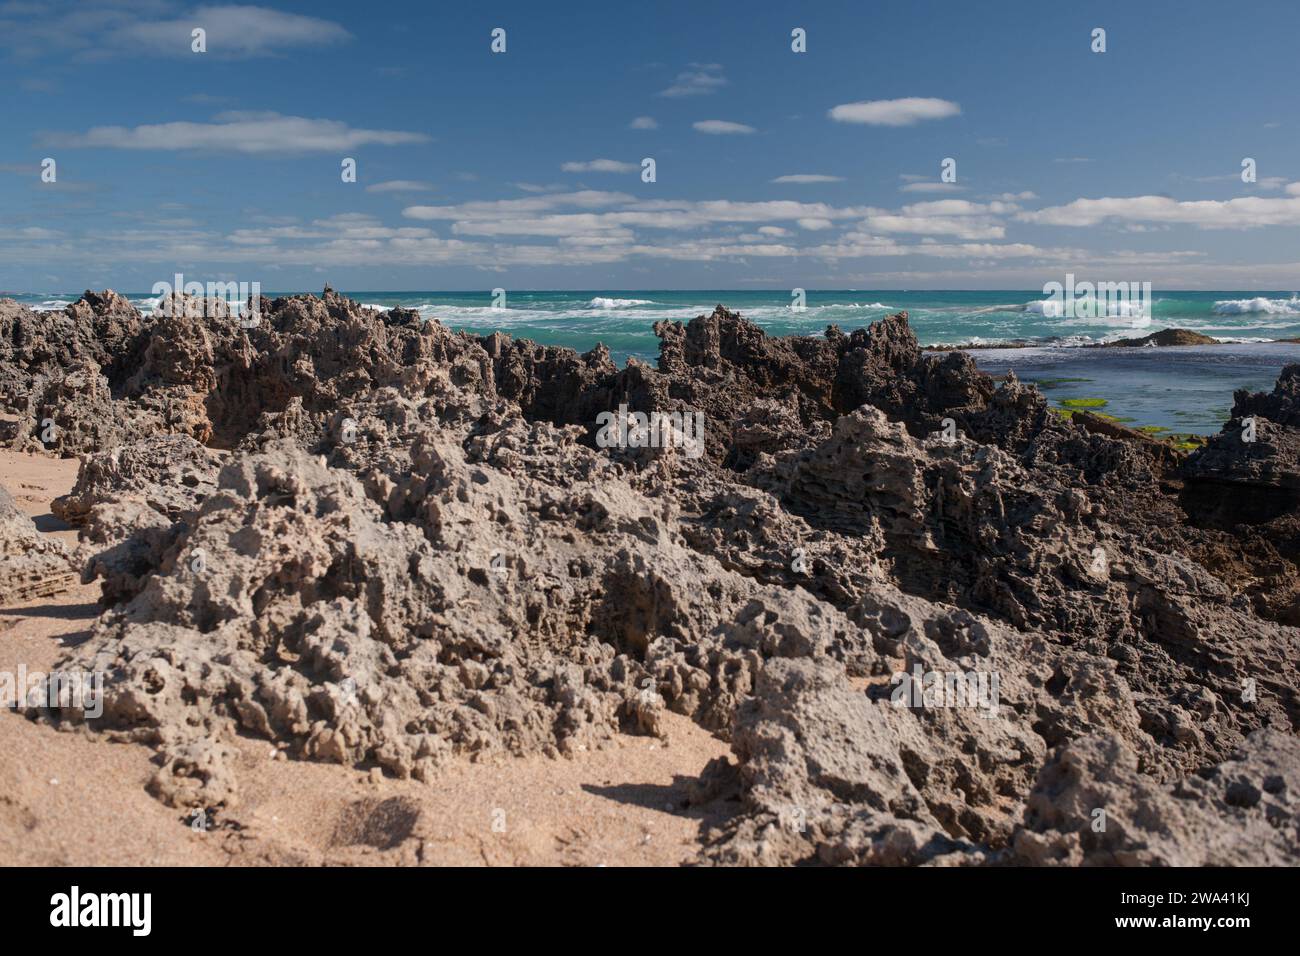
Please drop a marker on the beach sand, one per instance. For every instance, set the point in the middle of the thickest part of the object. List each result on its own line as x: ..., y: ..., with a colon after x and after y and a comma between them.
x: 72, y: 800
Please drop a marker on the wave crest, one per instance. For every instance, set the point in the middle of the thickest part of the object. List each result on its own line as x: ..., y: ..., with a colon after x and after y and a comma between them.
x: 1289, y: 306
x: 600, y: 302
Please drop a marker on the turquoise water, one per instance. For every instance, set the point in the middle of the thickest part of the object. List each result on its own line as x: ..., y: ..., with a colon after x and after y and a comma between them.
x: 1184, y: 390
x: 622, y: 319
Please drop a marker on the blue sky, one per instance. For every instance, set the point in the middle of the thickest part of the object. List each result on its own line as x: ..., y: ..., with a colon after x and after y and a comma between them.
x: 523, y: 169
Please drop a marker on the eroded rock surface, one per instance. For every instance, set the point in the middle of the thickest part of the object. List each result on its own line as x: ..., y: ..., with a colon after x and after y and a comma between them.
x: 1243, y: 488
x: 31, y: 565
x: 373, y: 541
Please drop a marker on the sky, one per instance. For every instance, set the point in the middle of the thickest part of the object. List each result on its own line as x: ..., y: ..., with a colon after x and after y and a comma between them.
x: 524, y: 169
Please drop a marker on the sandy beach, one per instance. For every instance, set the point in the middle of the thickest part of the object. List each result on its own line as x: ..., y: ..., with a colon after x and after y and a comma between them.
x: 70, y: 800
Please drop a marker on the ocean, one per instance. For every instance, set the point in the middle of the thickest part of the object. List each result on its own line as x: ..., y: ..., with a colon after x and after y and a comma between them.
x: 1185, y: 390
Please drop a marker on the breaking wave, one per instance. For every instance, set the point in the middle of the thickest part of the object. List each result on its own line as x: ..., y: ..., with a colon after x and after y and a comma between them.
x: 600, y: 302
x: 1289, y: 306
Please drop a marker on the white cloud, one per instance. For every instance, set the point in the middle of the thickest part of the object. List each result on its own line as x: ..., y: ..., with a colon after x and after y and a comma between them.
x: 1246, y: 212
x: 643, y: 122
x: 399, y: 186
x: 721, y: 127
x: 960, y: 218
x: 240, y: 132
x: 1267, y: 183
x: 592, y: 227
x: 353, y: 240
x: 98, y: 31
x: 726, y: 210
x: 600, y: 166
x: 808, y: 178
x: 857, y: 245
x: 931, y: 187
x: 505, y: 208
x: 903, y: 112
x: 1025, y: 196
x: 610, y: 216
x: 559, y: 226
x: 959, y: 207
x: 700, y: 79
x: 959, y: 226
x: 231, y: 31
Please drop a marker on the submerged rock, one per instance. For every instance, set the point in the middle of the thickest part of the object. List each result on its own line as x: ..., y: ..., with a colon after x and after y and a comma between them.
x: 1161, y: 339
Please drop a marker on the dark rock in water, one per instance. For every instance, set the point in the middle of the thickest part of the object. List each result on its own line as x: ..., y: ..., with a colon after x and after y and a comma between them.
x: 1161, y: 339
x: 938, y: 623
x: 1282, y: 405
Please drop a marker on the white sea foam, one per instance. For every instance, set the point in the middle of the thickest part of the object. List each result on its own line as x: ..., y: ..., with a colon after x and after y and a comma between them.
x: 1289, y: 306
x: 830, y: 306
x: 600, y: 302
x: 1115, y: 309
x: 1048, y: 308
x: 1129, y: 315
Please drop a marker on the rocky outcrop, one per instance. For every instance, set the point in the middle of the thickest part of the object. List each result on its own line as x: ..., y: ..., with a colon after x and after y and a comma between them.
x: 935, y: 621
x: 1161, y: 339
x: 1092, y: 807
x: 1259, y: 447
x: 131, y: 502
x: 171, y: 474
x: 1246, y: 482
x: 31, y: 565
x: 1163, y: 455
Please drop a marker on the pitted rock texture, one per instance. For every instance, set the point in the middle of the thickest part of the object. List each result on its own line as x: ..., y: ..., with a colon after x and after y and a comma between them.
x: 1243, y: 489
x: 1091, y: 806
x: 171, y: 474
x: 373, y: 541
x: 31, y: 565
